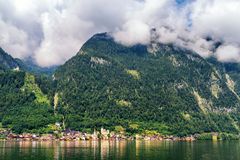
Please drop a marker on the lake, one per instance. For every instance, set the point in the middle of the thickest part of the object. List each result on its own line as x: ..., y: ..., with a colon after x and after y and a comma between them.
x: 132, y: 150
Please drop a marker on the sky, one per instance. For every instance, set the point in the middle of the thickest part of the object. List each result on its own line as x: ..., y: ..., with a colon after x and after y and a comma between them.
x: 52, y: 31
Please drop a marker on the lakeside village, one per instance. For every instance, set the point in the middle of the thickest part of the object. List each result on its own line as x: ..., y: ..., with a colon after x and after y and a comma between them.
x: 103, y: 134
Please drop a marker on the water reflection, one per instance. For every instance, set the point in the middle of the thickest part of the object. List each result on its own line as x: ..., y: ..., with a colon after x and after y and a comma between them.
x: 164, y: 150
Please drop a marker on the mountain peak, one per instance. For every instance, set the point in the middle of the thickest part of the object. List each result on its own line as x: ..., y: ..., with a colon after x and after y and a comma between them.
x: 104, y: 43
x: 103, y: 36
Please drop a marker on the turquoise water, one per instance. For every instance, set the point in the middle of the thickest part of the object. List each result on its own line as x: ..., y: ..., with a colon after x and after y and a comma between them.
x: 201, y: 150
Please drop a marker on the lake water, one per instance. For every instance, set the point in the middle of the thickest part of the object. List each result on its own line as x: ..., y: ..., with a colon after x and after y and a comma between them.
x: 132, y: 150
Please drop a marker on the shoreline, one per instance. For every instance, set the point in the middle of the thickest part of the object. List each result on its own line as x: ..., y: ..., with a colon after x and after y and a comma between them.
x: 41, y: 139
x: 112, y: 140
x: 104, y: 134
x: 96, y: 136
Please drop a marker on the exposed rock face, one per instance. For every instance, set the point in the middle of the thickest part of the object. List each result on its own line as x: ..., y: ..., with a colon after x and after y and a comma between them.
x: 99, y: 61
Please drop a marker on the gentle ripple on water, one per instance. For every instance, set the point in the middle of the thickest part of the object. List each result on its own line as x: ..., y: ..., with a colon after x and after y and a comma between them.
x: 132, y: 150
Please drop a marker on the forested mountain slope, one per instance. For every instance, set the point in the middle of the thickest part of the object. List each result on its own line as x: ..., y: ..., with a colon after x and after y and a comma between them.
x: 158, y: 87
x: 24, y: 106
x: 155, y: 88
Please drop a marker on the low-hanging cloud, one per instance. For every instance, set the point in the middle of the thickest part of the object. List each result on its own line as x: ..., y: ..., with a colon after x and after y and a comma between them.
x: 228, y: 53
x: 53, y: 31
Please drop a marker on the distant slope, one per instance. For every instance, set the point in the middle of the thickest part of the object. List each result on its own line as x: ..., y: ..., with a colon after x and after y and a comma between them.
x: 158, y: 87
x: 29, y: 66
x: 6, y: 61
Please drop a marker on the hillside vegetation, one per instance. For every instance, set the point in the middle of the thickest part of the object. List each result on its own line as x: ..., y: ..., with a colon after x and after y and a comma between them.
x: 156, y: 88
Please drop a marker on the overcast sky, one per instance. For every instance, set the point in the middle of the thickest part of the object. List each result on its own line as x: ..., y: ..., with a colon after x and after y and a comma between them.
x: 52, y: 31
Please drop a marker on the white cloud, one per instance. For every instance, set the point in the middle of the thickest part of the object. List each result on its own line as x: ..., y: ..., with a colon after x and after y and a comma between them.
x: 62, y: 37
x: 140, y: 19
x: 133, y: 32
x: 56, y: 29
x: 228, y: 53
x: 14, y: 40
x: 53, y: 31
x: 218, y: 18
x: 167, y: 35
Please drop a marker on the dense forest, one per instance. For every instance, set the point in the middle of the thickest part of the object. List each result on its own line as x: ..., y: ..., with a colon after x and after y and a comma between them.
x: 24, y: 108
x: 156, y: 88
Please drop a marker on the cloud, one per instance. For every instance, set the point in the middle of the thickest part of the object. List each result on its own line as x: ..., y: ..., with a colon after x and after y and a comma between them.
x: 62, y: 37
x: 53, y: 31
x: 188, y: 25
x: 171, y: 22
x: 139, y: 21
x: 228, y: 53
x: 14, y: 40
x: 218, y: 18
x: 136, y: 31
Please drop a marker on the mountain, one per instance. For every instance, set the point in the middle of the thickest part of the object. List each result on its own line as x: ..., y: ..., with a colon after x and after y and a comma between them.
x: 155, y: 88
x: 159, y: 87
